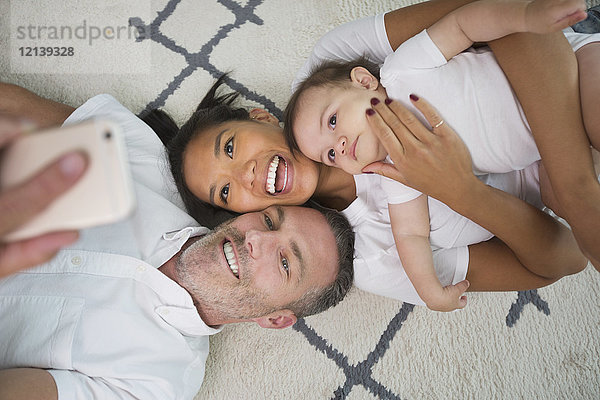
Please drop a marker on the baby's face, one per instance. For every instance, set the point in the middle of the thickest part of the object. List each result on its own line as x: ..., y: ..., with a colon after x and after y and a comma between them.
x: 331, y: 127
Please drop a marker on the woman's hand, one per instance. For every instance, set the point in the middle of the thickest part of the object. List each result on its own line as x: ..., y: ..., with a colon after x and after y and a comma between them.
x: 19, y: 204
x: 434, y: 161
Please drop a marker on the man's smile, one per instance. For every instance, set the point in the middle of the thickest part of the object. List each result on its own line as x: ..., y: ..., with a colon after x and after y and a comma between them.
x: 231, y: 258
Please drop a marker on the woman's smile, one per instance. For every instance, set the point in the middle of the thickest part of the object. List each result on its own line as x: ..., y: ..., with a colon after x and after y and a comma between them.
x: 277, y: 175
x: 246, y: 166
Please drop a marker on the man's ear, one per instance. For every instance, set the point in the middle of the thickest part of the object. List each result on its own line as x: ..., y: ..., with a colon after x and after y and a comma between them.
x: 362, y: 77
x: 263, y: 115
x: 277, y: 320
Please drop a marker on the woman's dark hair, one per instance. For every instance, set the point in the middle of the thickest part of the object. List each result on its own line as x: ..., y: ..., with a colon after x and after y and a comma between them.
x: 328, y: 73
x: 213, y: 110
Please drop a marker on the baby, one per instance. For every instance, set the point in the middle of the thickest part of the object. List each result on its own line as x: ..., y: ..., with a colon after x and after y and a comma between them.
x: 325, y: 118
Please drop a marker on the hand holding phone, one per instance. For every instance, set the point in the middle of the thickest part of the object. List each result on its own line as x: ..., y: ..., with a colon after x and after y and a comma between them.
x: 22, y: 203
x: 103, y: 195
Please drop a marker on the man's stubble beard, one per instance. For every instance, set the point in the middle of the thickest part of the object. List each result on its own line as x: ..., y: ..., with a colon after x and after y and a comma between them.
x: 213, y: 295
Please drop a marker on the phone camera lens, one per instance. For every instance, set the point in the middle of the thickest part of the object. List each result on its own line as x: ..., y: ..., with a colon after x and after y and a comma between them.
x: 108, y: 135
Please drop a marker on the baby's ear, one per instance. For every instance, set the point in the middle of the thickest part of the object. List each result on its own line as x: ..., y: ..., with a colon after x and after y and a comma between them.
x: 361, y: 76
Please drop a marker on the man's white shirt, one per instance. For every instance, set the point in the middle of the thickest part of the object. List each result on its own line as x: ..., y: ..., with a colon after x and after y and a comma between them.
x: 100, y: 317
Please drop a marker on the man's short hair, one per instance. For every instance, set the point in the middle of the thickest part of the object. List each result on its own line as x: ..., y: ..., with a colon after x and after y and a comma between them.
x: 320, y: 299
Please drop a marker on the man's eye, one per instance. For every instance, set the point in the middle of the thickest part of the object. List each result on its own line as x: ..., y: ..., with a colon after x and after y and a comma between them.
x: 268, y: 222
x: 224, y: 193
x: 228, y: 149
x: 331, y: 155
x: 332, y: 121
x: 285, y: 265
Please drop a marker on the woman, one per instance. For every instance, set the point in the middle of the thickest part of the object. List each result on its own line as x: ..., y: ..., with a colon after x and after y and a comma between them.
x: 239, y: 162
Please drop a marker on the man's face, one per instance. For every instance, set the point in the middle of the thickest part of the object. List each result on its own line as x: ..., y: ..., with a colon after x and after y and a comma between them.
x: 258, y: 263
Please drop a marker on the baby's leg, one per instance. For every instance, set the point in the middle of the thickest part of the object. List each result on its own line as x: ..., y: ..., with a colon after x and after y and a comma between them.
x: 588, y: 59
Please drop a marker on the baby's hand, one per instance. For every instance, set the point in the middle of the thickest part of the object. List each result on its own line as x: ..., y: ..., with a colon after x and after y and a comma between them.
x: 545, y: 16
x: 450, y: 298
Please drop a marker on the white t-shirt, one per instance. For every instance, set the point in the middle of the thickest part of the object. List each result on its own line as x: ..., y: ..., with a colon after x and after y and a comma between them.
x: 474, y: 96
x: 377, y: 267
x: 100, y: 316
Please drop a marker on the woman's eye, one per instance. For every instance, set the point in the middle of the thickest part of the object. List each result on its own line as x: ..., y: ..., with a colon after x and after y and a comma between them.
x: 224, y: 193
x: 285, y: 265
x: 332, y: 121
x: 228, y: 149
x: 268, y: 222
x: 331, y: 155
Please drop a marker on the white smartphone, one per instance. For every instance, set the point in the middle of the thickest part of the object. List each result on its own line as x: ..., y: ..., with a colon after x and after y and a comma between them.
x: 104, y: 194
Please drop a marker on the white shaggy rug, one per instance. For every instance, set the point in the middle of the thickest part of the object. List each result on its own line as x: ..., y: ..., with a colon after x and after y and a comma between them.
x: 538, y: 344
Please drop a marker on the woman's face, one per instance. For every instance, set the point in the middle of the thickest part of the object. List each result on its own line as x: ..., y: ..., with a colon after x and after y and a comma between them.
x: 246, y: 166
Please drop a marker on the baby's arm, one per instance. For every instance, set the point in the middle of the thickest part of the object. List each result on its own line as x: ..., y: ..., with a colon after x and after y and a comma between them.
x: 410, y: 226
x: 488, y: 20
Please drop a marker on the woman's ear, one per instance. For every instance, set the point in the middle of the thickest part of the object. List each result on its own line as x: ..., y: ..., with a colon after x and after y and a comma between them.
x: 277, y: 320
x: 263, y: 115
x: 362, y: 77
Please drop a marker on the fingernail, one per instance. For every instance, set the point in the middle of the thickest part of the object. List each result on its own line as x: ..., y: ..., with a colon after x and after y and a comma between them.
x: 388, y: 101
x: 374, y: 101
x: 370, y: 112
x: 414, y: 97
x: 72, y: 165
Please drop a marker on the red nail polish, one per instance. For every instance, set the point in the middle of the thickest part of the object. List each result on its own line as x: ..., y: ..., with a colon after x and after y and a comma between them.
x: 370, y: 112
x: 388, y: 101
x: 374, y: 101
x: 414, y: 97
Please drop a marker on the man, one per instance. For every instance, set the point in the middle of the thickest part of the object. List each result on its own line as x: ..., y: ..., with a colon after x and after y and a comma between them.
x: 126, y: 311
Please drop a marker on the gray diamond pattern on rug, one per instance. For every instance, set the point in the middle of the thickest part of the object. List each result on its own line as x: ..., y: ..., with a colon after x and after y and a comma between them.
x: 201, y: 59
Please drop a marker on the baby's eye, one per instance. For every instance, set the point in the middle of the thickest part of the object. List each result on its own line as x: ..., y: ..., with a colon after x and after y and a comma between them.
x: 228, y: 148
x: 285, y: 265
x: 224, y: 193
x: 332, y: 121
x: 331, y: 155
x: 268, y: 222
